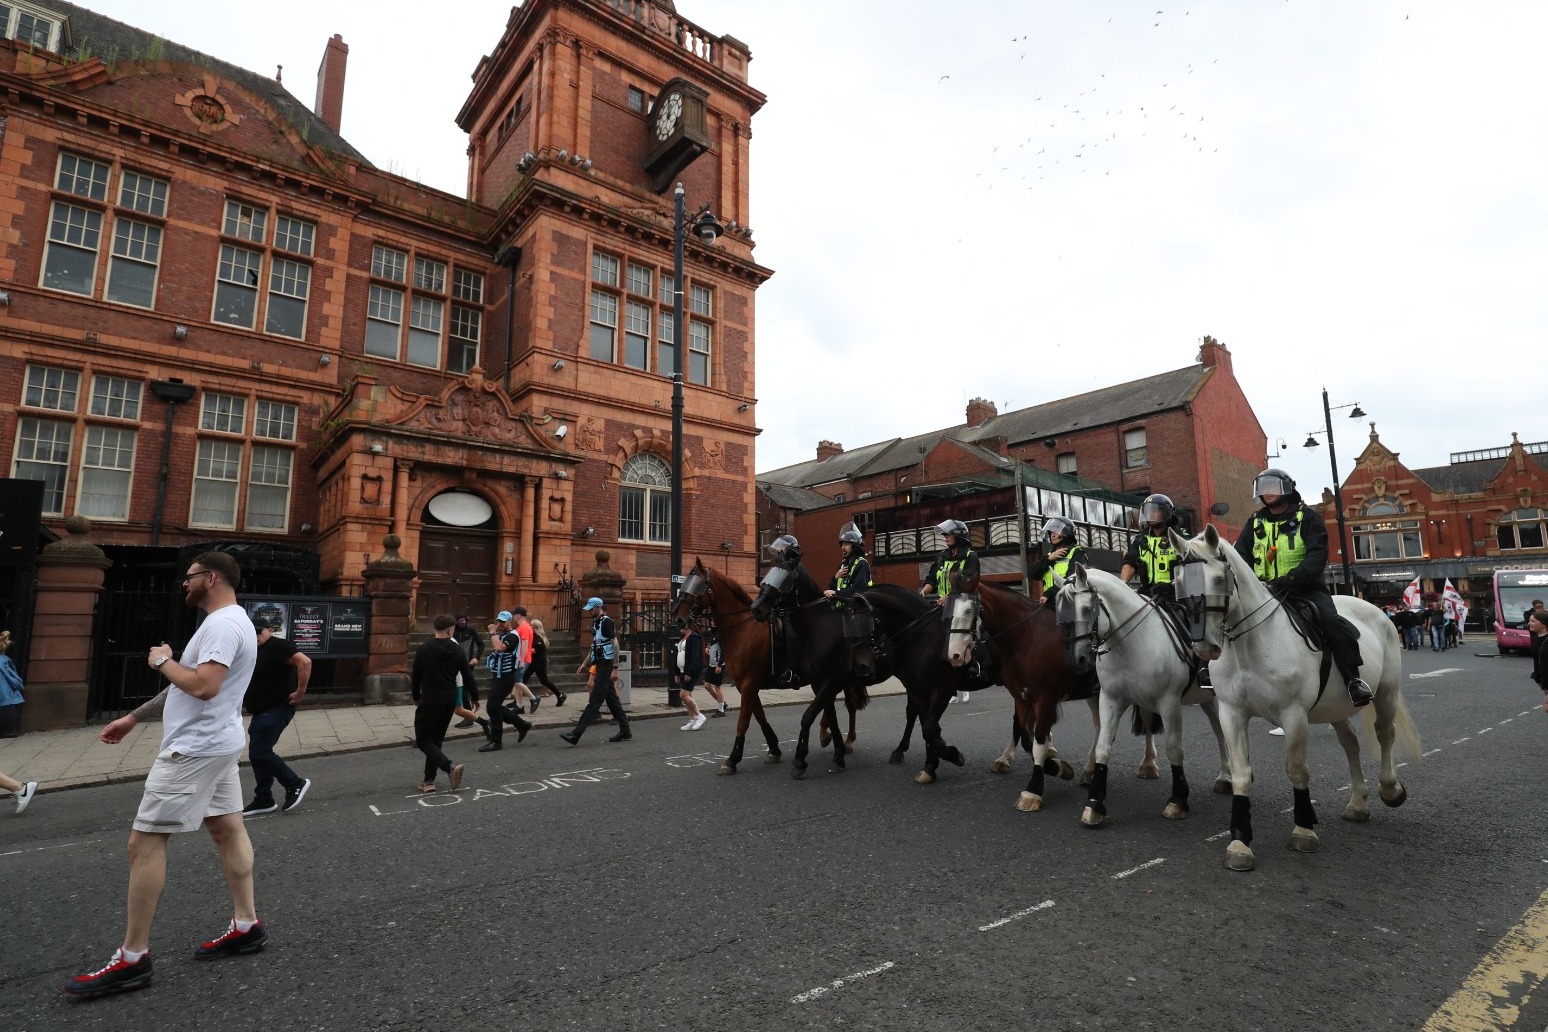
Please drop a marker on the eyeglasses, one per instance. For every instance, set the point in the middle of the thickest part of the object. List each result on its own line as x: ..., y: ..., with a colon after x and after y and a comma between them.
x: 197, y: 573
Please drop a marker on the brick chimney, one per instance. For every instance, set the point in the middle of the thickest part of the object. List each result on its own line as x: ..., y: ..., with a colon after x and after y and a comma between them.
x: 329, y: 105
x: 1214, y: 353
x: 827, y: 449
x: 979, y: 411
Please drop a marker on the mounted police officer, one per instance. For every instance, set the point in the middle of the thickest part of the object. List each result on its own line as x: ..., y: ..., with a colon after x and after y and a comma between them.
x: 854, y: 572
x: 774, y: 597
x: 1058, y: 552
x: 1151, y: 554
x: 1287, y: 543
x: 955, y: 568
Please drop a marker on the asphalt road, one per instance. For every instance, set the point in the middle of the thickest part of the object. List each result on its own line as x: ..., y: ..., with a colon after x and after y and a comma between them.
x: 628, y: 886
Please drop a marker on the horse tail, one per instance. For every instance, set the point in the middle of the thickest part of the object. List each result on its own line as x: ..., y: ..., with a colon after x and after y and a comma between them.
x: 1406, y: 740
x: 856, y: 697
x: 1146, y: 723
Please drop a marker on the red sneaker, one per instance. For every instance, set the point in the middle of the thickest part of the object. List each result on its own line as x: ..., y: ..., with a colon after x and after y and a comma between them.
x: 232, y: 943
x: 119, y: 976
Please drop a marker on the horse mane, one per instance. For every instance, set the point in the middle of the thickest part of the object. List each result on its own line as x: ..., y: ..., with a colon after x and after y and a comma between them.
x: 806, y: 588
x: 720, y: 581
x: 903, y: 596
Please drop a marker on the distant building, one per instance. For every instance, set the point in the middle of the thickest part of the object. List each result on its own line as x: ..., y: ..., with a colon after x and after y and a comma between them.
x: 1189, y: 433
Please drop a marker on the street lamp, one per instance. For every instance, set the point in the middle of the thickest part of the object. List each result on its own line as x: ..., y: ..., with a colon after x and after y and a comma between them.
x: 707, y: 229
x: 1338, y: 494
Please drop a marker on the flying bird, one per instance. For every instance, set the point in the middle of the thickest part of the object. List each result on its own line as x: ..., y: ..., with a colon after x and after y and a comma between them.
x: 942, y: 79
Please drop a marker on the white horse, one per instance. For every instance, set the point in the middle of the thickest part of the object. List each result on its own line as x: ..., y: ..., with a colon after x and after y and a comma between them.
x: 1140, y: 660
x: 1261, y: 667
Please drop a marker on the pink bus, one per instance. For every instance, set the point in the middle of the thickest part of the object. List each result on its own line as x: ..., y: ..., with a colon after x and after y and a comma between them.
x: 1514, y: 593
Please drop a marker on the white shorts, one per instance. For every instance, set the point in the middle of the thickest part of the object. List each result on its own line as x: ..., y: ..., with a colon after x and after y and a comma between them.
x: 181, y: 791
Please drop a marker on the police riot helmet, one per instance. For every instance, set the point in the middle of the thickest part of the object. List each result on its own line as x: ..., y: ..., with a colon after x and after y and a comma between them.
x: 1273, y: 481
x: 1058, y: 525
x: 785, y: 549
x: 956, y: 528
x: 1157, y: 509
x: 850, y: 534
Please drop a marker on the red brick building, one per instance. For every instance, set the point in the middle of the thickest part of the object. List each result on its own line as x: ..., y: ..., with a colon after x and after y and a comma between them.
x: 1483, y: 511
x: 196, y: 266
x: 1189, y: 433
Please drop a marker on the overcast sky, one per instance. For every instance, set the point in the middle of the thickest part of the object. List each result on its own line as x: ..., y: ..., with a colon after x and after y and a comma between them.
x: 1027, y: 199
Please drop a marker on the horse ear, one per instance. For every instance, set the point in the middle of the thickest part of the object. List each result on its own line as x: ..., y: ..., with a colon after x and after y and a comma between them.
x: 1080, y: 574
x: 1058, y: 582
x: 1211, y: 536
x: 1179, y: 543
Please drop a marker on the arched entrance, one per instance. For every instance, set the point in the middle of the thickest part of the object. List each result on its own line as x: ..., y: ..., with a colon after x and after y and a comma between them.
x: 459, y: 548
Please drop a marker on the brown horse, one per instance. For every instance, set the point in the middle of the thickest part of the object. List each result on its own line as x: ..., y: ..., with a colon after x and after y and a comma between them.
x: 1025, y: 637
x: 744, y: 643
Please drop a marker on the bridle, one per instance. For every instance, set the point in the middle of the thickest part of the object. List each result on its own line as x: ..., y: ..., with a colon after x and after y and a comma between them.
x: 1101, y: 643
x: 1198, y: 604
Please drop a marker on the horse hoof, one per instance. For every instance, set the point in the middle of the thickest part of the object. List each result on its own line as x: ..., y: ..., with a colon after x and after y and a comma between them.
x: 1356, y: 815
x: 1239, y: 856
x: 772, y: 757
x: 1398, y: 796
x: 824, y: 739
x: 1029, y: 803
x: 1149, y: 772
x: 1175, y: 812
x: 1222, y: 787
x: 728, y: 768
x: 1066, y: 772
x: 1304, y: 840
x: 836, y: 769
x: 955, y: 756
x: 924, y: 777
x: 1091, y: 819
x: 999, y: 767
x: 896, y: 758
x: 798, y: 772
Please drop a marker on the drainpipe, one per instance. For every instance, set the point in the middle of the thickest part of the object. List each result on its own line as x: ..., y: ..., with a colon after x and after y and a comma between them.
x: 174, y: 392
x: 510, y: 257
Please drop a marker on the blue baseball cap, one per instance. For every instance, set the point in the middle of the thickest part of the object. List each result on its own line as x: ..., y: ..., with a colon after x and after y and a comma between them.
x: 592, y: 603
x: 504, y: 616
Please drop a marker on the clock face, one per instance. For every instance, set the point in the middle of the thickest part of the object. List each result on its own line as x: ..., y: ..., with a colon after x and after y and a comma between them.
x: 667, y: 117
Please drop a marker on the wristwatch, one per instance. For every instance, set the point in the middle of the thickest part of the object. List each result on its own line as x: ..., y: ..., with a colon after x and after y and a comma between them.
x: 159, y: 662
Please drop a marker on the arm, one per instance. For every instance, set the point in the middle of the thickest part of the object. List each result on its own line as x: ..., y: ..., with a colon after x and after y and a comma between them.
x: 114, y: 733
x: 202, y: 682
x: 303, y: 665
x: 1131, y: 560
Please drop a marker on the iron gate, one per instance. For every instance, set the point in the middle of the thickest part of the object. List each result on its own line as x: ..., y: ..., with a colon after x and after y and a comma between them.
x: 141, y: 607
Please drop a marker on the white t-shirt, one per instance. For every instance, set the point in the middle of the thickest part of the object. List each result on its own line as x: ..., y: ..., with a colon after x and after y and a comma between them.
x: 213, y: 727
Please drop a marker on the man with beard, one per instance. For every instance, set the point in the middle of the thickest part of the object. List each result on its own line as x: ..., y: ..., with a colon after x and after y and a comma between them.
x: 194, y: 780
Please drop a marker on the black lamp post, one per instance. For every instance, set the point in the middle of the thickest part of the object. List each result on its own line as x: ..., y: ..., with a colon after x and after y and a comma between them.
x: 708, y: 229
x: 1338, y: 492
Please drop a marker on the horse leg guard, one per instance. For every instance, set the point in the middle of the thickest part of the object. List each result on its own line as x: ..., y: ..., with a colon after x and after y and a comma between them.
x: 728, y: 766
x: 1239, y: 856
x: 773, y: 743
x: 1303, y: 838
x: 1096, y: 801
x: 1177, y: 805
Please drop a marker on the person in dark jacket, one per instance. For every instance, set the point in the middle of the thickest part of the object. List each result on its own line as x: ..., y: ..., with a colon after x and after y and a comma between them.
x: 537, y: 671
x: 854, y: 572
x: 1537, y: 627
x: 1286, y: 542
x: 685, y: 665
x: 433, y: 684
x: 955, y: 569
x: 1150, y: 553
x: 1058, y: 552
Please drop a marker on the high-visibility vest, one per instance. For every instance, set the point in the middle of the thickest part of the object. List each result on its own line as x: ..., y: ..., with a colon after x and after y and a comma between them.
x: 1157, y: 556
x: 847, y: 574
x: 946, y: 573
x: 1061, y: 567
x: 1277, y: 546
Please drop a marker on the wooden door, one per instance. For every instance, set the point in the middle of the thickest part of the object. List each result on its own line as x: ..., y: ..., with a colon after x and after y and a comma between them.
x: 457, y: 574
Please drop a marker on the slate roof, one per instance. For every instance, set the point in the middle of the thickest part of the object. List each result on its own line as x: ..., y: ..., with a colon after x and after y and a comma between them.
x: 1462, y: 477
x: 1116, y: 404
x: 100, y: 36
x: 798, y: 498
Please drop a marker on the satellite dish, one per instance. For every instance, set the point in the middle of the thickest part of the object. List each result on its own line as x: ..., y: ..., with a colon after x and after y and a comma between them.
x: 1219, y: 509
x: 460, y: 509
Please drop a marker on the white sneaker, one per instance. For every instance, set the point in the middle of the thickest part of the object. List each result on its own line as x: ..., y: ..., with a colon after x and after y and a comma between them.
x: 687, y: 727
x: 697, y: 722
x: 964, y: 696
x: 953, y: 698
x: 1277, y: 732
x: 24, y: 797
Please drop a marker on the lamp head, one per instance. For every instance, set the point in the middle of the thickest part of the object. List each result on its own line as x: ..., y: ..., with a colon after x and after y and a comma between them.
x: 1311, y: 442
x: 1357, y: 412
x: 707, y: 227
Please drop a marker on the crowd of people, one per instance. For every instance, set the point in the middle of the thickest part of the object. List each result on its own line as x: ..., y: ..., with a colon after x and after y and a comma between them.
x: 1434, y: 622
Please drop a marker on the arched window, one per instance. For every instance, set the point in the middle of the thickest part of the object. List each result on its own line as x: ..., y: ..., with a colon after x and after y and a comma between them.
x: 645, y: 500
x: 1381, y: 507
x: 1384, y: 537
x: 1522, y: 529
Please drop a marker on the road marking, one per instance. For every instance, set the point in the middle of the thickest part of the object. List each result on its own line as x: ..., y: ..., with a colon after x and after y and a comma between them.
x: 1223, y: 834
x: 839, y: 983
x: 1436, y: 673
x: 1508, y: 976
x: 1017, y: 916
x: 695, y: 759
x: 1141, y: 867
x: 565, y: 780
x: 39, y: 849
x: 1486, y: 730
x: 1432, y: 752
x: 1459, y: 741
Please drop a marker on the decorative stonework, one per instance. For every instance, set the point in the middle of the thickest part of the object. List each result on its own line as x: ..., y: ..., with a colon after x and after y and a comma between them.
x: 714, y: 456
x: 207, y: 109
x: 475, y: 409
x: 589, y: 437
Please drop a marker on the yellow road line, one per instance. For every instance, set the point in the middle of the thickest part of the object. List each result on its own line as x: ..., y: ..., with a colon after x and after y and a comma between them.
x: 1494, y: 994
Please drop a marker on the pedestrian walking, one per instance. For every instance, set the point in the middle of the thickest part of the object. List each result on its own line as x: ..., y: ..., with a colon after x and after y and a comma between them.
x: 537, y: 671
x: 279, y: 682
x: 472, y: 644
x: 523, y: 628
x: 685, y: 665
x: 24, y: 791
x: 194, y: 780
x: 433, y: 683
x: 604, y: 649
x: 715, y: 671
x: 504, y: 661
x: 10, y: 691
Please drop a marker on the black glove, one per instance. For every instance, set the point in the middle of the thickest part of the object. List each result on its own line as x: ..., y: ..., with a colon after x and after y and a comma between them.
x: 1277, y: 585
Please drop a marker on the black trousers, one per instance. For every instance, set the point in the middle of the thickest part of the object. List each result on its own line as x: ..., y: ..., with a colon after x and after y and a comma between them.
x: 1343, y: 636
x: 602, y: 691
x: 431, y: 719
x: 499, y: 713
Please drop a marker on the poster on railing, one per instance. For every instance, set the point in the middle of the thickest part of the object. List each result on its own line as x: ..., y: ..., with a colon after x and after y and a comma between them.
x: 323, y: 628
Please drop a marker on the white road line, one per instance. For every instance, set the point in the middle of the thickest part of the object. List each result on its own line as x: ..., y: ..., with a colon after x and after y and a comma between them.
x: 1432, y: 752
x: 1459, y: 741
x: 1402, y: 765
x: 39, y: 849
x: 1507, y: 720
x: 1435, y: 673
x: 839, y: 983
x: 1523, y: 713
x: 1223, y: 834
x: 1486, y: 730
x: 1141, y: 867
x: 1017, y: 916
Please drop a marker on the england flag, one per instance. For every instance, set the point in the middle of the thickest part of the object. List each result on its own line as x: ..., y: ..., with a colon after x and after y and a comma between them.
x: 1411, y: 595
x: 1456, y: 605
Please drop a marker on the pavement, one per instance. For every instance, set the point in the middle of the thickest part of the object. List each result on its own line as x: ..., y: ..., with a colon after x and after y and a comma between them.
x: 77, y: 758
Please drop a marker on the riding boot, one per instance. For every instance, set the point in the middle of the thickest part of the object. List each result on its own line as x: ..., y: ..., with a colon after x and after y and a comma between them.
x: 1359, y: 692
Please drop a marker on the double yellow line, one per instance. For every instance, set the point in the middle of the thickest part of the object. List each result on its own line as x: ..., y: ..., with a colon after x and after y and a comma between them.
x: 1492, y: 998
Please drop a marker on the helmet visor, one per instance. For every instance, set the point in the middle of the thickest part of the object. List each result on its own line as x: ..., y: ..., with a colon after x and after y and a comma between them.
x: 1271, y: 484
x: 1155, y: 512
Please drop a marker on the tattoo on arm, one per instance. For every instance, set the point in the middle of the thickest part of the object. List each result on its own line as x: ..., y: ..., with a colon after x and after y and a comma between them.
x: 152, y: 709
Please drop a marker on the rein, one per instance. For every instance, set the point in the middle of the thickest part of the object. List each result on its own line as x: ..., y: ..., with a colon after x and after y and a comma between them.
x: 1236, y: 630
